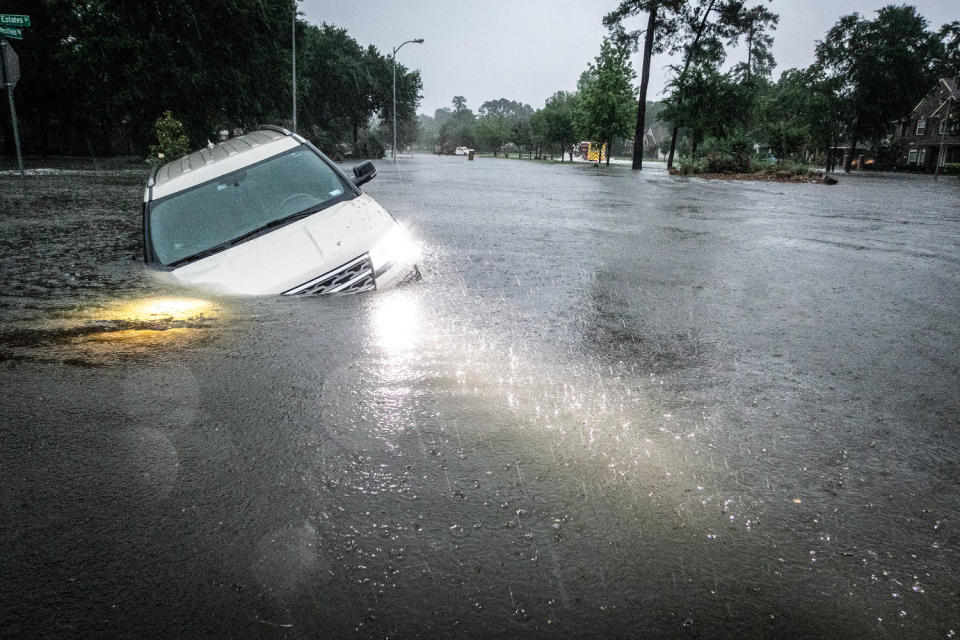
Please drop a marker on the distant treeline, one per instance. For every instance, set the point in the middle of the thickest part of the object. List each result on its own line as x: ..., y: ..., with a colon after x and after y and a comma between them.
x: 96, y: 76
x: 869, y: 72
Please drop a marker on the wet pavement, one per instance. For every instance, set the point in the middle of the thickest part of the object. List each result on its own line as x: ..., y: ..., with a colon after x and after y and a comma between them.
x: 617, y: 405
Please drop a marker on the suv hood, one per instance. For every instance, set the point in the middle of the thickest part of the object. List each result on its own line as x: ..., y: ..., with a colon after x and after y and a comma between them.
x: 295, y: 253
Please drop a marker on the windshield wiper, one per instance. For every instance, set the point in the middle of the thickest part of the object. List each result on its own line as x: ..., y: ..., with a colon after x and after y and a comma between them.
x: 273, y: 223
x: 246, y: 236
x: 201, y: 254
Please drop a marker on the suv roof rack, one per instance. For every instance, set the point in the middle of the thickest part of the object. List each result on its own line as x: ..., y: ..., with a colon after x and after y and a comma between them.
x: 273, y: 127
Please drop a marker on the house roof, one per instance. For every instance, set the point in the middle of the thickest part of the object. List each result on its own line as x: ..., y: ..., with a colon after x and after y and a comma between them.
x: 953, y: 90
x: 953, y: 86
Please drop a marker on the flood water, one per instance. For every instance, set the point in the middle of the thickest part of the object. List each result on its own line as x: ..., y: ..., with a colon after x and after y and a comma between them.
x: 617, y: 405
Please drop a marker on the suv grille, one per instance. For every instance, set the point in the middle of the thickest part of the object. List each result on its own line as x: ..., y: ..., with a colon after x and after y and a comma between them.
x: 353, y: 277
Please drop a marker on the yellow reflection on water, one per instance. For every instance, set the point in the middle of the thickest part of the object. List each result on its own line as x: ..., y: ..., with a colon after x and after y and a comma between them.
x: 160, y: 309
x: 124, y: 328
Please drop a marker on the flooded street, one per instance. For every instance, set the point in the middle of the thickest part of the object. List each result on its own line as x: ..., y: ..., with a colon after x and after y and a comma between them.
x: 617, y: 405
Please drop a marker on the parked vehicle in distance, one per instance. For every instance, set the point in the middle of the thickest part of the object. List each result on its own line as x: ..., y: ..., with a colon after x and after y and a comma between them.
x: 461, y: 151
x: 267, y: 213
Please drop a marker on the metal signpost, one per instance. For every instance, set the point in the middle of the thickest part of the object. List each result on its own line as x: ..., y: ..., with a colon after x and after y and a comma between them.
x: 10, y: 25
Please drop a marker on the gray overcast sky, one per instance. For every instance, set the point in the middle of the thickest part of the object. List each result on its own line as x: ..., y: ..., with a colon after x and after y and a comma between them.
x: 526, y: 50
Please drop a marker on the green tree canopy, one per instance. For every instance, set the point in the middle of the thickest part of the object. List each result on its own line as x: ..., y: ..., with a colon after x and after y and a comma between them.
x: 714, y: 104
x: 495, y: 126
x: 606, y: 106
x: 558, y: 121
x: 102, y: 71
x: 460, y: 129
x: 664, y: 20
x: 947, y: 64
x: 755, y: 25
x: 881, y: 67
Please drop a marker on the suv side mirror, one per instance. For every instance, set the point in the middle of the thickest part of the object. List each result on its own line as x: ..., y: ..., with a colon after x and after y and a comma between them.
x: 364, y: 172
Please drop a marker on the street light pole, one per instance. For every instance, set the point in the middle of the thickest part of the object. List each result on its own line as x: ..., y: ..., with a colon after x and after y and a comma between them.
x: 393, y: 149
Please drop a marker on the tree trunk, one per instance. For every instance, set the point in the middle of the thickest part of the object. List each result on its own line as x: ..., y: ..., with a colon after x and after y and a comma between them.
x: 640, y: 130
x: 673, y: 146
x: 608, y: 146
x: 832, y: 160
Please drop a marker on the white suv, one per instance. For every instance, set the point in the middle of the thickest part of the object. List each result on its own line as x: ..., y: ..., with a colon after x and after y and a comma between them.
x: 267, y: 212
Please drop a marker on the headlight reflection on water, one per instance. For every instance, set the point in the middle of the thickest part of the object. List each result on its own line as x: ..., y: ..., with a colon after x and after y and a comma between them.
x: 162, y: 310
x: 566, y: 412
x: 140, y: 323
x: 444, y: 383
x: 396, y: 323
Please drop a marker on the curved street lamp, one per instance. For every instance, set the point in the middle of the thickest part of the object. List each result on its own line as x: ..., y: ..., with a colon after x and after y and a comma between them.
x: 393, y: 150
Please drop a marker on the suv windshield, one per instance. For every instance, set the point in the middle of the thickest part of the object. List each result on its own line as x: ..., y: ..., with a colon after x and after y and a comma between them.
x: 239, y: 205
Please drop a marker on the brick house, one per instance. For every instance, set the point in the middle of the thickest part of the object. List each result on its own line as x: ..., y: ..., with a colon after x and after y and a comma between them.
x: 931, y: 133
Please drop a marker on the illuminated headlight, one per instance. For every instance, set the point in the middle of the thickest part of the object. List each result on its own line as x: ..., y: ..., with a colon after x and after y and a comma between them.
x: 396, y: 247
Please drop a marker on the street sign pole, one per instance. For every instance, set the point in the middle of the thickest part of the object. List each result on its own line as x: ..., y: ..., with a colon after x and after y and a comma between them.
x: 10, y: 77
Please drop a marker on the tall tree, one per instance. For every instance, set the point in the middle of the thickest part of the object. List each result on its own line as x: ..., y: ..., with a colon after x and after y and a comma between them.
x: 696, y: 24
x: 755, y: 24
x: 802, y: 110
x: 102, y: 71
x: 559, y: 123
x: 881, y: 66
x: 496, y: 120
x: 663, y: 24
x: 607, y: 95
x: 948, y: 59
x: 460, y: 128
x: 706, y: 24
x: 714, y: 104
x: 521, y: 133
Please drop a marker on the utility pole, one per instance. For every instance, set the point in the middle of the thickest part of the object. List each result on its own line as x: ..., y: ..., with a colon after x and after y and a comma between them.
x: 943, y: 132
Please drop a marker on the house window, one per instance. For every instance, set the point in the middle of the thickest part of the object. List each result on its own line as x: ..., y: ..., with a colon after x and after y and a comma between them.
x: 921, y: 126
x: 912, y: 157
x: 922, y: 158
x: 943, y: 125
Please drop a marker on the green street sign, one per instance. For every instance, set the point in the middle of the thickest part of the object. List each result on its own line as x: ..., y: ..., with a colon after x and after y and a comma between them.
x: 11, y: 32
x: 13, y: 20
